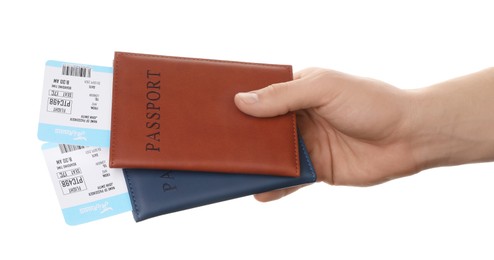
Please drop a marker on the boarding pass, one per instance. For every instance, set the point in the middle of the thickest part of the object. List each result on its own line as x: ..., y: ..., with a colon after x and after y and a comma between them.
x: 76, y: 104
x: 75, y: 118
x: 87, y: 189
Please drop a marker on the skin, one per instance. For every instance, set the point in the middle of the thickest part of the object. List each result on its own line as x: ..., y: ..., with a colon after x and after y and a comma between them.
x: 361, y: 131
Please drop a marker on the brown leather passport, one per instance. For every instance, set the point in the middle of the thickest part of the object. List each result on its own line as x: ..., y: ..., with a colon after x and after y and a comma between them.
x: 177, y: 113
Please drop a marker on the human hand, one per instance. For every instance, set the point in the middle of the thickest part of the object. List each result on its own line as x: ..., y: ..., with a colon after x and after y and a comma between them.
x: 355, y: 129
x: 361, y: 131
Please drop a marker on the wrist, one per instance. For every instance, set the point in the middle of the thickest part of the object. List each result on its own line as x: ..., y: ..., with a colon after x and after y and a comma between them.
x: 452, y: 122
x: 430, y: 130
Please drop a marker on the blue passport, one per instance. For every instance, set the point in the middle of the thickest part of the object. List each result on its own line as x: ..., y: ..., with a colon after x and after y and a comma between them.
x: 158, y: 192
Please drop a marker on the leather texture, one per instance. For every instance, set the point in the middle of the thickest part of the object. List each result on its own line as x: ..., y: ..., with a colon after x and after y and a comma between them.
x: 178, y: 113
x: 158, y: 192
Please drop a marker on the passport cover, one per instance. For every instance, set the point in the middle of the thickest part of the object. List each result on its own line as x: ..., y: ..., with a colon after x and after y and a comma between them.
x: 179, y: 113
x: 157, y: 192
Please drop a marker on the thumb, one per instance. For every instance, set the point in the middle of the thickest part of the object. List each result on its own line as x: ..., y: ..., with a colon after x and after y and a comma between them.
x: 278, y: 99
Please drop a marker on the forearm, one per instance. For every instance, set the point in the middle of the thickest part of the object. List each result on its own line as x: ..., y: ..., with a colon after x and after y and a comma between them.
x: 452, y: 122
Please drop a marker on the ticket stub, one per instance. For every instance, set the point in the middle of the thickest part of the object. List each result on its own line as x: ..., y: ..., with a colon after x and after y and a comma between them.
x: 76, y: 104
x: 87, y: 189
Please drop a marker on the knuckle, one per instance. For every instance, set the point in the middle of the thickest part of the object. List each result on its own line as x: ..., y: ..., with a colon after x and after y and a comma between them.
x: 275, y: 89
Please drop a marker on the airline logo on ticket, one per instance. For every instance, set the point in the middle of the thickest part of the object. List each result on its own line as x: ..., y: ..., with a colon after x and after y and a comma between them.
x: 76, y: 104
x: 87, y: 189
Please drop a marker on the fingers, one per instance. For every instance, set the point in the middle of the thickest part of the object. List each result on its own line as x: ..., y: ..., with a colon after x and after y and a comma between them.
x: 275, y: 194
x: 281, y: 98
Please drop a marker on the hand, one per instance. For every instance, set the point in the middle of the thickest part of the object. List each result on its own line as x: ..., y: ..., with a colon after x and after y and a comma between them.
x: 356, y: 129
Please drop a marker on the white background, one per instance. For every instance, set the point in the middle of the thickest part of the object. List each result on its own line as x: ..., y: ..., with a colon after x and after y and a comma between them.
x: 444, y: 213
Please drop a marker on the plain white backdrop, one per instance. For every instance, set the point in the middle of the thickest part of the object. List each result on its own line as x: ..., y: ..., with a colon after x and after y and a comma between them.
x: 443, y: 213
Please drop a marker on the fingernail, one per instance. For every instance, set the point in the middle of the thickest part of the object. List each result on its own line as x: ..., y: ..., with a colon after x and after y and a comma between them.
x: 248, y: 97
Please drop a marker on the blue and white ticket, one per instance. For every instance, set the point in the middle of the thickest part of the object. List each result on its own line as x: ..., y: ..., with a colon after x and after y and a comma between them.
x: 87, y: 189
x: 76, y: 104
x: 75, y: 120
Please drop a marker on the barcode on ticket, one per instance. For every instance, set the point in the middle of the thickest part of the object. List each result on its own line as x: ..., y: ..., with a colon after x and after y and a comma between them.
x: 77, y: 71
x: 65, y: 148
